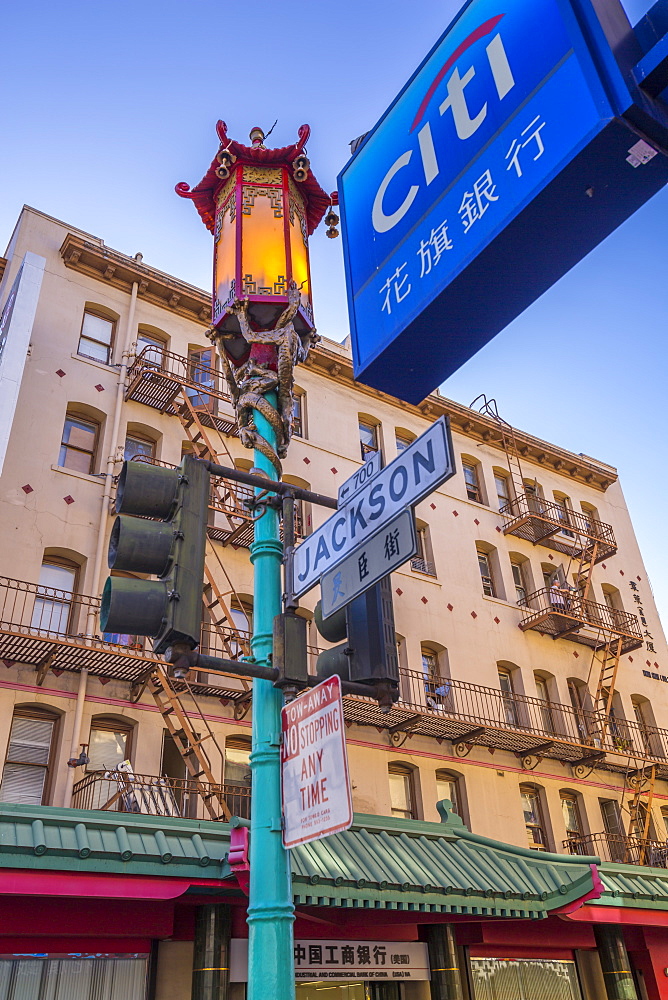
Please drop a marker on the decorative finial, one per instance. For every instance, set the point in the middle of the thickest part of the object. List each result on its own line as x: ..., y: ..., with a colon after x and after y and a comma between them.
x: 257, y: 137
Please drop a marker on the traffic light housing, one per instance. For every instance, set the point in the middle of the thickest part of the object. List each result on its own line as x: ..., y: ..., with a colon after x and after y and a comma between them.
x: 369, y: 654
x: 170, y: 546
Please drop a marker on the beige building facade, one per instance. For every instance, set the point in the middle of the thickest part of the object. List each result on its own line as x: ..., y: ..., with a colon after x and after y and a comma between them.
x: 506, y: 707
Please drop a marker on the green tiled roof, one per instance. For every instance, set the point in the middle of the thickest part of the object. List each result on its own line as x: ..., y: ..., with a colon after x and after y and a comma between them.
x: 389, y: 863
x: 44, y: 837
x: 633, y: 886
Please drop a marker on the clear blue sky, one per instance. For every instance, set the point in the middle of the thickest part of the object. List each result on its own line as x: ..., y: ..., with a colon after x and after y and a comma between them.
x: 106, y: 106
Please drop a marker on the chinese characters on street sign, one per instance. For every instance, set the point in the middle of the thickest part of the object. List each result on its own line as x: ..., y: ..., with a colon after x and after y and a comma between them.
x: 380, y: 555
x: 413, y: 475
x: 484, y: 182
x: 314, y: 766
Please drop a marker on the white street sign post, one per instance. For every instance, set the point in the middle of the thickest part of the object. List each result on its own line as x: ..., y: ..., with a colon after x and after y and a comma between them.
x: 413, y: 475
x: 381, y: 554
x: 359, y: 478
x: 315, y: 784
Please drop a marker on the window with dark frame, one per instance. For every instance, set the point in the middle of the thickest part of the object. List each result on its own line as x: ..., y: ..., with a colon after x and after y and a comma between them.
x: 138, y: 447
x: 502, y: 489
x: 518, y: 579
x: 571, y: 814
x: 109, y: 744
x: 368, y: 439
x: 488, y: 588
x: 508, y: 696
x: 156, y: 349
x: 402, y: 442
x: 299, y: 414
x: 472, y: 482
x: 78, y: 444
x: 533, y: 818
x: 447, y: 787
x: 52, y: 608
x: 402, y: 794
x: 25, y: 776
x: 96, y: 337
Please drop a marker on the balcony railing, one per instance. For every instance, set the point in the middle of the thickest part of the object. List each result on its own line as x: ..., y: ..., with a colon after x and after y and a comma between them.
x: 59, y: 630
x: 471, y: 714
x: 421, y: 565
x: 558, y: 612
x: 546, y: 523
x: 620, y: 849
x: 150, y: 795
x: 156, y: 377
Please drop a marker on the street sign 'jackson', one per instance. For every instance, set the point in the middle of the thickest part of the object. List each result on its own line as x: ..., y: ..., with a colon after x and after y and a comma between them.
x: 413, y: 475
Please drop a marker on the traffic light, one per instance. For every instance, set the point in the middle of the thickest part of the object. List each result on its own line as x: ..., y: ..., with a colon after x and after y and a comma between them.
x: 369, y: 654
x: 170, y: 546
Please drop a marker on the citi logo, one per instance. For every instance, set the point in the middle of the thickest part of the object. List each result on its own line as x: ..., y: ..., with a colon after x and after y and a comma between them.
x: 467, y: 120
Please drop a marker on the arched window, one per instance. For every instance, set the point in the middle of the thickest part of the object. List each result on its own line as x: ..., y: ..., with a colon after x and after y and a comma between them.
x: 109, y: 742
x: 140, y: 442
x: 503, y: 487
x: 303, y: 513
x: 54, y: 608
x: 490, y: 571
x: 423, y: 561
x: 151, y: 345
x: 534, y: 820
x: 29, y: 760
x: 402, y: 790
x: 546, y: 712
x: 580, y: 700
x: 403, y: 439
x: 522, y: 578
x: 450, y: 786
x: 237, y: 761
x: 509, y: 704
x: 98, y: 328
x: 564, y: 509
x: 299, y: 425
x: 369, y: 432
x: 79, y: 442
x: 570, y: 808
x: 473, y: 479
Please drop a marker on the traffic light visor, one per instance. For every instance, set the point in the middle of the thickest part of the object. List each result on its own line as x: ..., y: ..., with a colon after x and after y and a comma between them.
x: 136, y: 607
x: 147, y: 490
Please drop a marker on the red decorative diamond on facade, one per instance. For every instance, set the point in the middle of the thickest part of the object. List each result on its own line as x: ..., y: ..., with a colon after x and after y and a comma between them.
x: 604, y: 566
x: 27, y: 488
x: 68, y: 499
x: 630, y: 659
x: 449, y: 607
x: 498, y: 528
x: 60, y: 373
x: 306, y: 460
x: 473, y: 614
x: 399, y: 591
x: 638, y: 578
x: 433, y: 506
x: 476, y: 521
x: 100, y: 388
x: 455, y: 513
x: 333, y: 470
x: 621, y: 572
x: 424, y: 600
x: 498, y: 621
x: 576, y: 655
x: 550, y: 556
x: 8, y: 663
x: 648, y: 663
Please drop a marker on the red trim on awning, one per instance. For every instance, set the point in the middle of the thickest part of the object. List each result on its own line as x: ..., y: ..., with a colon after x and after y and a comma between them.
x: 20, y: 882
x: 619, y: 915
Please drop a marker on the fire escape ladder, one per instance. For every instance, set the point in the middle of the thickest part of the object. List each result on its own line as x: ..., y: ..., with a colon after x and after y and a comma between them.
x: 190, y: 744
x: 489, y: 408
x: 222, y: 621
x: 642, y: 782
x: 588, y: 557
x: 607, y: 655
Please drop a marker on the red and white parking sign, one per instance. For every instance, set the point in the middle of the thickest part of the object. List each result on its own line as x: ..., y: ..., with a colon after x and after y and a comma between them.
x: 314, y: 764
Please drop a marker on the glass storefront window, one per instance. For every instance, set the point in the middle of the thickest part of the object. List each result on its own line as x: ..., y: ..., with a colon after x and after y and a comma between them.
x: 335, y: 991
x: 523, y: 979
x: 99, y: 978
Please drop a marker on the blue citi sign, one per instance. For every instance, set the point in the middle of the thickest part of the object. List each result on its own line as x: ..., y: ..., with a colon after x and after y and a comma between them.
x: 470, y: 196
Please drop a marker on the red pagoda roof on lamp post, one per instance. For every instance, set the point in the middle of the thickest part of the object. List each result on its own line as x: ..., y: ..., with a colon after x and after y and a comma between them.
x: 203, y: 195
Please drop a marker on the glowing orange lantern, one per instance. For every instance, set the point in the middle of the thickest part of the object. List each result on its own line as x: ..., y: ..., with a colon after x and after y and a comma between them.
x: 261, y: 206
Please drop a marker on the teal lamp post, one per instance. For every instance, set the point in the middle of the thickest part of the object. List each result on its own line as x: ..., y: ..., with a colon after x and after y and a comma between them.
x: 261, y: 206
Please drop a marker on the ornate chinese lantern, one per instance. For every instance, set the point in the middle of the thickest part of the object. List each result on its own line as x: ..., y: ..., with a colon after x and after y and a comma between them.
x: 261, y: 206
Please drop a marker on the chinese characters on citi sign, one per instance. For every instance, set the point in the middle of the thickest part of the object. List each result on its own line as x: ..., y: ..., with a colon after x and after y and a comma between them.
x: 494, y: 112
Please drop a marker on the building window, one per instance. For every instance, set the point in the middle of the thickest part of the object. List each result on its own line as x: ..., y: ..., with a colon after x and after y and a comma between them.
x: 519, y: 581
x: 368, y: 439
x: 108, y: 744
x: 155, y: 349
x: 422, y: 562
x: 78, y: 444
x: 242, y: 617
x: 202, y: 375
x: 52, y: 609
x: 564, y: 514
x: 484, y: 565
x: 401, y: 791
x: 571, y: 814
x: 545, y: 708
x: 576, y: 693
x: 403, y: 440
x: 508, y: 696
x: 138, y: 447
x: 26, y: 770
x: 472, y: 482
x: 533, y: 818
x: 299, y: 414
x: 96, y: 338
x: 447, y: 787
x: 99, y: 978
x: 502, y: 489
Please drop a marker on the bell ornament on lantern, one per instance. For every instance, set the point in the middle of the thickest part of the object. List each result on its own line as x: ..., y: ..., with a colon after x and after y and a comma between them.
x: 300, y: 168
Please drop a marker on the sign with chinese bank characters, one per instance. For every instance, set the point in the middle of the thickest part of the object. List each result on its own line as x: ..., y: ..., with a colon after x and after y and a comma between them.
x: 511, y: 153
x: 346, y: 959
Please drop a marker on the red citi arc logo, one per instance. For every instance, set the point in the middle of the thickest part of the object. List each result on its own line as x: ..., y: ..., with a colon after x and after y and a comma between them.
x: 466, y: 120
